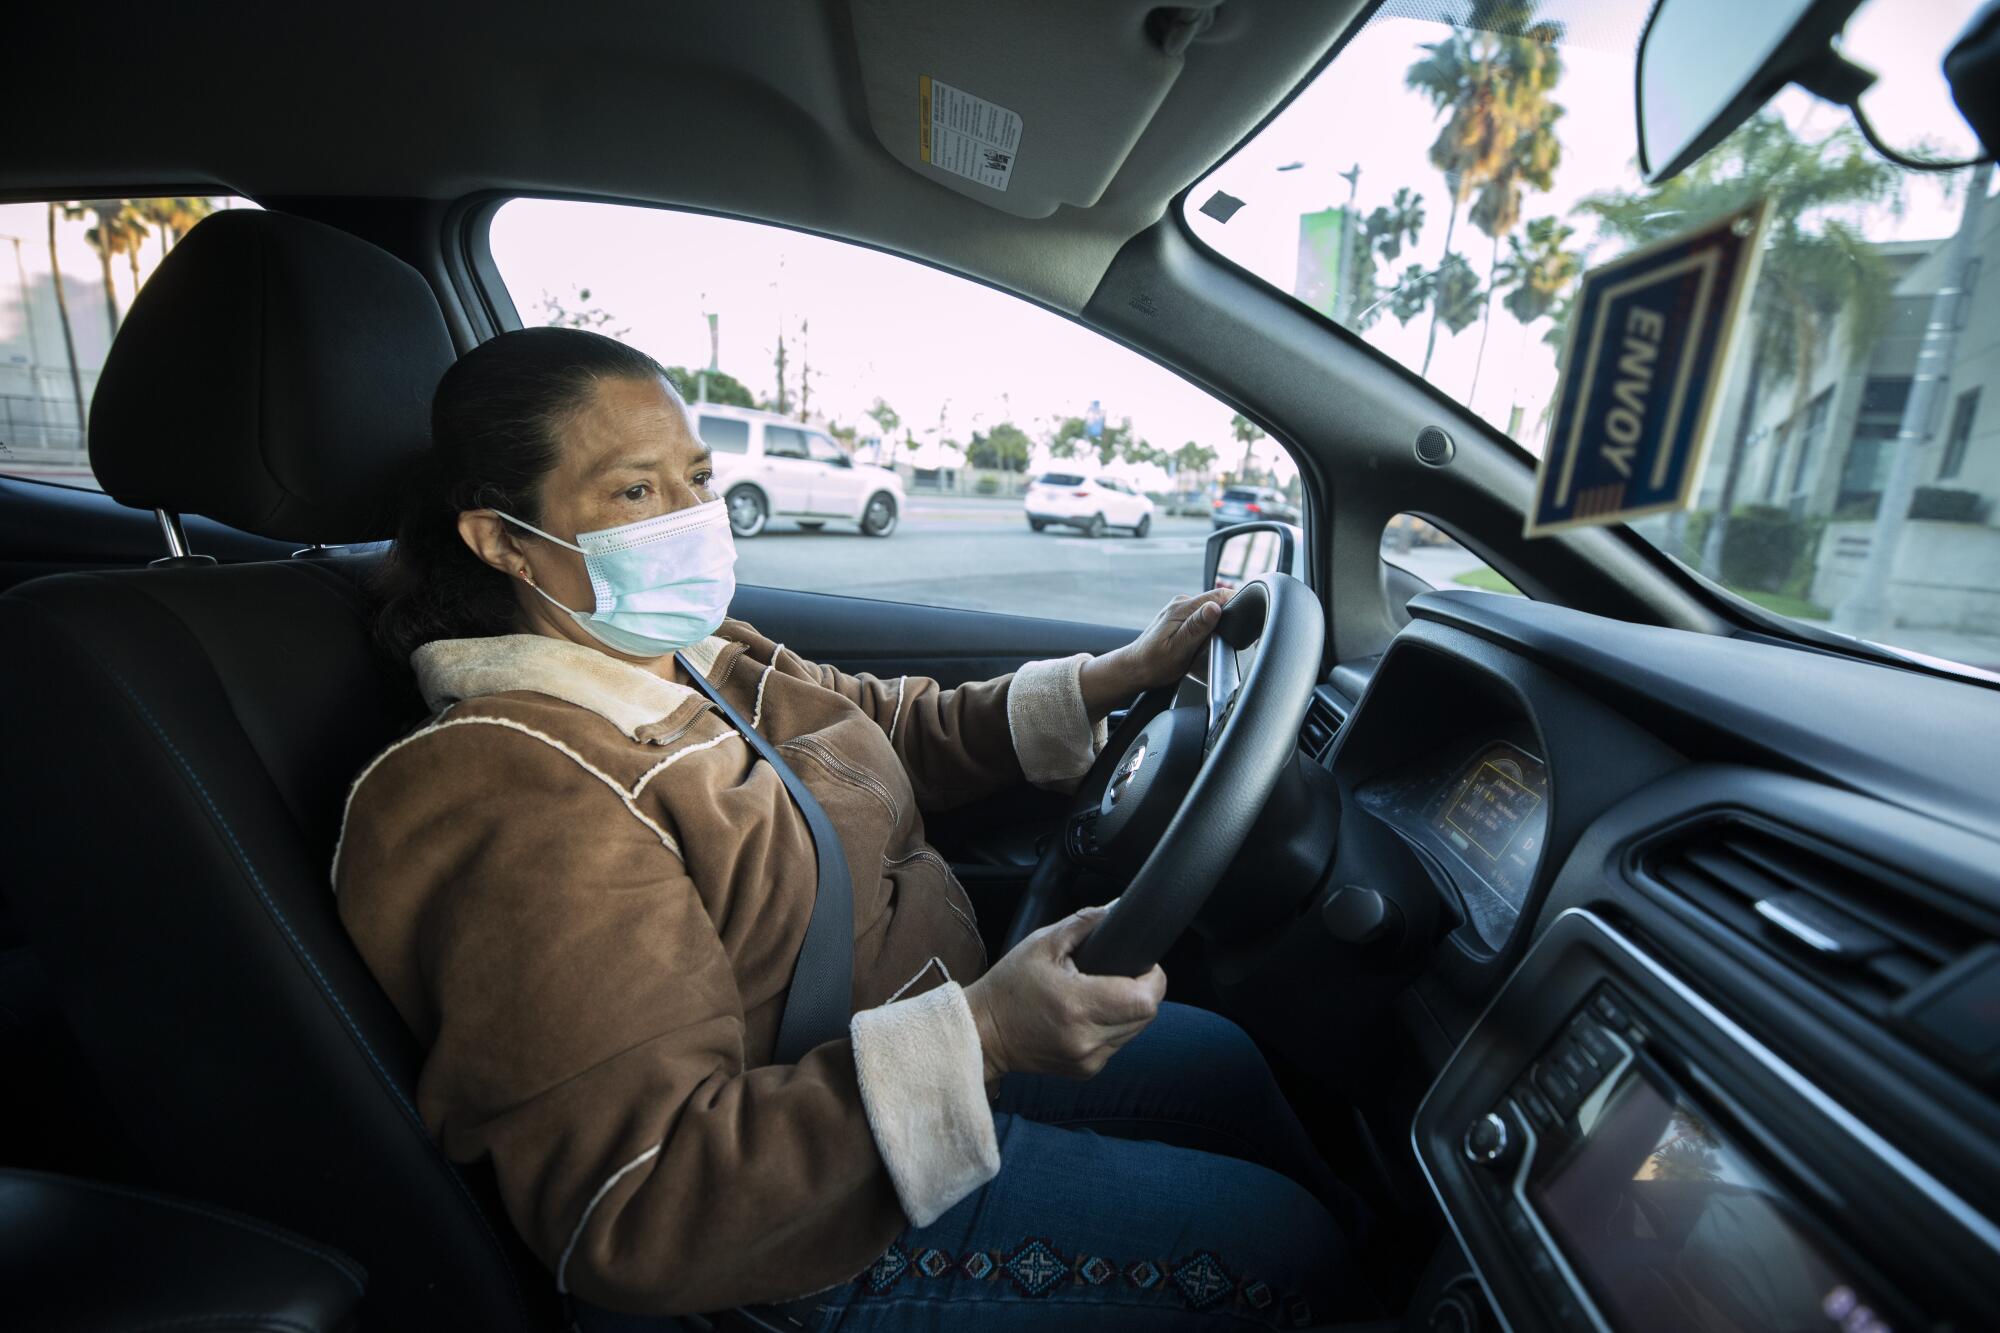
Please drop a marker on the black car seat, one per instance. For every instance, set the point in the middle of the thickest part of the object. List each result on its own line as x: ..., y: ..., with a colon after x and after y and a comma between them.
x: 180, y: 740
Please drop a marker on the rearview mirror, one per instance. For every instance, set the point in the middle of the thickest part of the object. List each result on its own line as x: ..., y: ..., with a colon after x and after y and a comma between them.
x: 1705, y: 66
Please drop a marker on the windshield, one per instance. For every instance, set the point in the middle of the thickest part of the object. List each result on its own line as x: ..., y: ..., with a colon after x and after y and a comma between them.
x: 1439, y: 187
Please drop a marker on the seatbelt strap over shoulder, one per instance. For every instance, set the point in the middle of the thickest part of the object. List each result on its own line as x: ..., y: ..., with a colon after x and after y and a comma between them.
x: 822, y: 989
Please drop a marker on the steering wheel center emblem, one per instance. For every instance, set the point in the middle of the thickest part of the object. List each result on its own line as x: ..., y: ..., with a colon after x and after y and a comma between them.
x: 1127, y: 771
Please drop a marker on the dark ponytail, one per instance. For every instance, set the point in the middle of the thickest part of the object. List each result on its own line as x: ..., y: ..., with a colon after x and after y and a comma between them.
x: 496, y: 432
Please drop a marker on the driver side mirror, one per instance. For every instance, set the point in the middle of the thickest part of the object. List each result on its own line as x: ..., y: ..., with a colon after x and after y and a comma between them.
x: 1238, y: 554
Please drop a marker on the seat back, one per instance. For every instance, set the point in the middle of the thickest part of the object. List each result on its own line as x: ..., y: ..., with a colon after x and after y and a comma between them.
x: 180, y: 743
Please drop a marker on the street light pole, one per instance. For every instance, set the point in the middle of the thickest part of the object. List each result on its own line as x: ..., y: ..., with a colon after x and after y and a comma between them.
x: 1866, y: 613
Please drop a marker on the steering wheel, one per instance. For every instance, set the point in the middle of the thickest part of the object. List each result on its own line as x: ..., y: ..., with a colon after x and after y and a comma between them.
x: 1175, y: 791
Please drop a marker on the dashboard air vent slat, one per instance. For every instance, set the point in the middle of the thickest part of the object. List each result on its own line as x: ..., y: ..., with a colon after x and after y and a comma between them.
x: 1851, y: 927
x: 1322, y: 723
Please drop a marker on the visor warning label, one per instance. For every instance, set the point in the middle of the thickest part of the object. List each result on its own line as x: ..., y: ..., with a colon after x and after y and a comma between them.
x: 966, y: 135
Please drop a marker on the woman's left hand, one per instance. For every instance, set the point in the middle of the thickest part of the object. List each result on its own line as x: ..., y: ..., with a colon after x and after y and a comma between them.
x: 1161, y: 655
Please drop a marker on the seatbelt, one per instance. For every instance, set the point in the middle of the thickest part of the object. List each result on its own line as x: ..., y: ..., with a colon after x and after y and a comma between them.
x: 816, y: 1004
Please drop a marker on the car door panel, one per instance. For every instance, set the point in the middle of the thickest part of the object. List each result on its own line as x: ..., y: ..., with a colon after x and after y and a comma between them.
x: 897, y: 638
x: 787, y: 473
x: 835, y: 487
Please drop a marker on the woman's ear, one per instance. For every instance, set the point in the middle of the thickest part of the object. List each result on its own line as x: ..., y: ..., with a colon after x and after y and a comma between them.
x: 489, y: 538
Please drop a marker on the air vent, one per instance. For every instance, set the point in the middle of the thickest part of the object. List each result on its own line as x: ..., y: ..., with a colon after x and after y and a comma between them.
x: 1877, y: 940
x: 1322, y: 724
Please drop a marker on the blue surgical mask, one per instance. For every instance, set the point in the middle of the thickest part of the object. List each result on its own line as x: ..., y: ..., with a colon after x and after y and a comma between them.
x: 661, y: 584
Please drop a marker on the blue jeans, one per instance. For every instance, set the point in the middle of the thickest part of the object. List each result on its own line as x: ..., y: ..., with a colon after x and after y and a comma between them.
x: 1176, y: 1190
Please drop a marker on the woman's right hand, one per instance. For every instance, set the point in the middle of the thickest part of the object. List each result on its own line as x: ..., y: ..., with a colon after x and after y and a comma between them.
x: 1038, y: 1015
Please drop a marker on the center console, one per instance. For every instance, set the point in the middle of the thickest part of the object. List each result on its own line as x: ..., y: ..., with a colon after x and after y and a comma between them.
x: 1616, y: 1153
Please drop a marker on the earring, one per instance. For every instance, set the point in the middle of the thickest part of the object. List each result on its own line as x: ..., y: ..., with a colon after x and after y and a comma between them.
x: 526, y: 575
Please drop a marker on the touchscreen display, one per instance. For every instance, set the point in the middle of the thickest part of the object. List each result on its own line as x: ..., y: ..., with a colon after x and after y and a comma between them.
x: 1674, y: 1230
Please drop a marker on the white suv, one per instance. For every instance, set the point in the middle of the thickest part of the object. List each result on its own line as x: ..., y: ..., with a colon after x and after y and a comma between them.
x: 1090, y: 503
x: 768, y: 466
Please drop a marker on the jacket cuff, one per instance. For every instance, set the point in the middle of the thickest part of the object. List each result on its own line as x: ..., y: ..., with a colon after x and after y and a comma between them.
x: 1053, y: 735
x: 922, y: 1086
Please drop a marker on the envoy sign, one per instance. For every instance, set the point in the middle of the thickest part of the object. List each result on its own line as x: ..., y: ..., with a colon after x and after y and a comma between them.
x: 1642, y: 376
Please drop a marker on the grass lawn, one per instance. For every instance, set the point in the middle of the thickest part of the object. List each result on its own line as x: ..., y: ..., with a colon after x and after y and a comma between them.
x: 1785, y: 605
x: 1479, y: 576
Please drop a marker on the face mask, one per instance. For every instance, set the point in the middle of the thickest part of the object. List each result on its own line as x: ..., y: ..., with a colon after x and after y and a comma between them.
x: 661, y: 584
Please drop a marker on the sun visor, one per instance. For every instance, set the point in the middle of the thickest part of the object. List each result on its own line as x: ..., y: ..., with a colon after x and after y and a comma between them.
x: 1021, y: 106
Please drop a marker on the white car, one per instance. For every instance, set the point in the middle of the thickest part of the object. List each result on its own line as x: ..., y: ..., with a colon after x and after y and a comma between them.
x: 1089, y: 503
x: 768, y: 466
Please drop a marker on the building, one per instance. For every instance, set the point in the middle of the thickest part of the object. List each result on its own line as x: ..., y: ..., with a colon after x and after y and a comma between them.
x: 1821, y: 453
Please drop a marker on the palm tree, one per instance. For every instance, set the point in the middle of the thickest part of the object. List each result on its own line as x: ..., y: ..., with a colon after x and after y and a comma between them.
x: 1488, y: 79
x: 1538, y: 274
x: 1384, y: 234
x: 62, y: 314
x: 118, y: 230
x: 1497, y: 209
x: 1247, y: 433
x: 1819, y: 274
x: 174, y: 217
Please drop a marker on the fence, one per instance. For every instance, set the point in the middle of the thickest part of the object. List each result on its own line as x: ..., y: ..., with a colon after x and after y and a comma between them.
x: 37, y: 424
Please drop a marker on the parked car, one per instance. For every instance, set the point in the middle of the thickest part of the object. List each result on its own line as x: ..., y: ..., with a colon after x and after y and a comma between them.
x: 1192, y: 504
x: 768, y: 466
x: 1091, y: 504
x: 1243, y: 504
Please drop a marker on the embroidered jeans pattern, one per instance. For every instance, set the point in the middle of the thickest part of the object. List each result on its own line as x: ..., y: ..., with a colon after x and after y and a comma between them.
x: 1176, y: 1190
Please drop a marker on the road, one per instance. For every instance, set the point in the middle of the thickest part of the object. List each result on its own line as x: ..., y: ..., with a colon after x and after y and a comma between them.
x: 981, y: 555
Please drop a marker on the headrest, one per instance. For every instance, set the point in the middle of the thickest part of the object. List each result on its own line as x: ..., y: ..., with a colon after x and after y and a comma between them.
x: 275, y: 375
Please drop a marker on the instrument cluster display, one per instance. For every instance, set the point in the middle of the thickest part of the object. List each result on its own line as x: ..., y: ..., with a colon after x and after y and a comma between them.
x: 1485, y: 809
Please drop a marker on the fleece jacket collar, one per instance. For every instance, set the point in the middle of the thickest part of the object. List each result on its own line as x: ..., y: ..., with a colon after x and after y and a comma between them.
x: 629, y: 697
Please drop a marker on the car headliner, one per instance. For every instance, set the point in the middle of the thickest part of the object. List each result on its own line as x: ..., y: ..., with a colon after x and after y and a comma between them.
x: 753, y: 109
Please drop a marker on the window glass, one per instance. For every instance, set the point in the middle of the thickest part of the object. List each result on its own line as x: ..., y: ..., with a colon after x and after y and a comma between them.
x: 74, y: 268
x: 1961, y: 435
x: 1433, y: 555
x: 725, y: 435
x: 784, y: 442
x: 822, y: 450
x: 950, y: 399
x: 1443, y: 181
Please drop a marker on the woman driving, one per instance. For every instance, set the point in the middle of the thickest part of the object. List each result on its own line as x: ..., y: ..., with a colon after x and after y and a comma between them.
x: 588, y: 895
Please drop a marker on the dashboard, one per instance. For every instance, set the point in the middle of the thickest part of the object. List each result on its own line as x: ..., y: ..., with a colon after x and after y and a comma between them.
x: 1686, y: 950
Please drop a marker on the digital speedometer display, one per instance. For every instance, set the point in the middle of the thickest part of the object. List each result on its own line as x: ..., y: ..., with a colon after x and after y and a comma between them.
x: 1495, y: 812
x: 1492, y: 804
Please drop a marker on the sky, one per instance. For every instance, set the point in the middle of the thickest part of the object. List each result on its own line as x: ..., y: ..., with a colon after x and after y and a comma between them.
x: 954, y: 357
x: 870, y: 325
x: 1359, y: 113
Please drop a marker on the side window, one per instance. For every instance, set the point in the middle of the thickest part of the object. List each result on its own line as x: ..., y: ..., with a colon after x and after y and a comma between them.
x: 784, y: 442
x: 1430, y: 553
x: 725, y: 435
x: 973, y: 422
x: 75, y: 268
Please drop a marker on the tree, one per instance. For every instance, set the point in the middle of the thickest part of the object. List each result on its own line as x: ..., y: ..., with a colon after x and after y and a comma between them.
x: 1247, y: 433
x: 118, y: 229
x: 1005, y: 448
x: 1195, y: 458
x: 1540, y: 272
x: 175, y: 217
x: 1450, y: 292
x: 886, y: 420
x: 1068, y: 438
x: 579, y: 313
x: 69, y: 335
x: 1487, y: 79
x: 722, y: 388
x: 1530, y: 67
x: 1819, y: 274
x: 1383, y: 235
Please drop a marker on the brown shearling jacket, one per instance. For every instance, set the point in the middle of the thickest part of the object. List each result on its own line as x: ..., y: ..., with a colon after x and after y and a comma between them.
x: 586, y: 895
